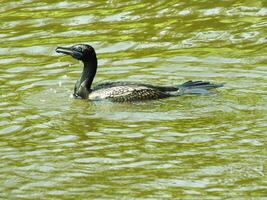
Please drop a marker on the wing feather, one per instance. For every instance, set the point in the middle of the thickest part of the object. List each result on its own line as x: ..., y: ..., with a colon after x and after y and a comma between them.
x: 125, y: 93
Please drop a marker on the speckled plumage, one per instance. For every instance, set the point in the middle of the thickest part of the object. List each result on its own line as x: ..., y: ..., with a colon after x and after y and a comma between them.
x: 123, y: 91
x: 127, y: 93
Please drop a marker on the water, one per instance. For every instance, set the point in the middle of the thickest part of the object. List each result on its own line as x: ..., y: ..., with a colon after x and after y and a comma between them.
x: 208, y: 147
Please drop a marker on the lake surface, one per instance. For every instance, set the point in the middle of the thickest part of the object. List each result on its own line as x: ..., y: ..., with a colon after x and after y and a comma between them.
x: 192, y: 147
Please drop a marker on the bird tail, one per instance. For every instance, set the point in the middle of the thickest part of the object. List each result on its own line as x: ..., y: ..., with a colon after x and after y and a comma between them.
x: 197, y: 87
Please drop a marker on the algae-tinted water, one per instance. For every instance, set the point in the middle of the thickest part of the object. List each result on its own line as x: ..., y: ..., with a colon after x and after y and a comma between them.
x: 194, y: 147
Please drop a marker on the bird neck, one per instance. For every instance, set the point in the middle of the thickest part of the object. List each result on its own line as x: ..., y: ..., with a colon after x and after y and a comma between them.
x: 88, y: 73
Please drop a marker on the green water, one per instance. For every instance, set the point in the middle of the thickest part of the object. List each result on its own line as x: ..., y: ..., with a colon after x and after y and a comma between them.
x: 194, y: 147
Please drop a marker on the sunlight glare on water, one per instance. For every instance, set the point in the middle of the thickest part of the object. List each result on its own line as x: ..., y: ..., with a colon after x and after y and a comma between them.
x: 191, y: 147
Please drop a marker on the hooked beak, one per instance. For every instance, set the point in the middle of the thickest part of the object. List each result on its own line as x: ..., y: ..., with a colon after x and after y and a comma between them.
x: 69, y: 51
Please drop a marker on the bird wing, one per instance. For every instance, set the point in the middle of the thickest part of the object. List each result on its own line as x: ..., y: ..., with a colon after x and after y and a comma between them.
x: 124, y: 93
x: 114, y: 84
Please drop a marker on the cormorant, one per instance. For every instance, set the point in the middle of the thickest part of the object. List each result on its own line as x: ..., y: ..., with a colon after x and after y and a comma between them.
x: 123, y: 91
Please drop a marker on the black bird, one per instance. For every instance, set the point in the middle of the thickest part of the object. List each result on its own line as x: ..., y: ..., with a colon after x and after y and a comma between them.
x: 123, y: 91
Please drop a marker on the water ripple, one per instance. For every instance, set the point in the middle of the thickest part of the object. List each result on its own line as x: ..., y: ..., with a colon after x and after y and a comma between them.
x: 53, y: 146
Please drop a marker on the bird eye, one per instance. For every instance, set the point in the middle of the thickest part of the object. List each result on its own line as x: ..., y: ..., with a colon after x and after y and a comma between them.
x: 79, y: 49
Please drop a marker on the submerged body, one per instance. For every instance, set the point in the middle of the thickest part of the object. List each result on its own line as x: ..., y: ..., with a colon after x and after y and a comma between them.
x: 128, y: 91
x: 123, y: 91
